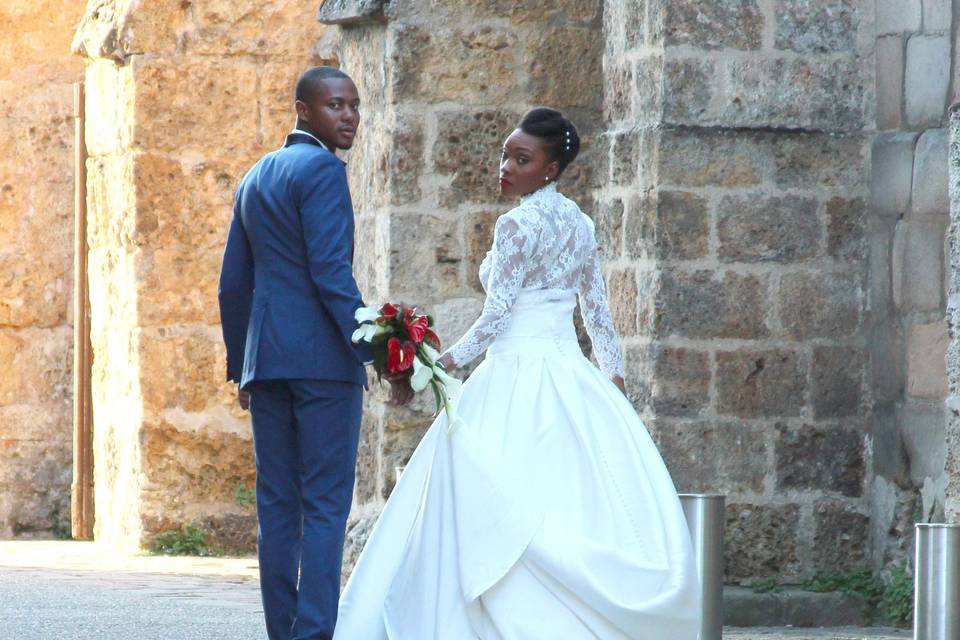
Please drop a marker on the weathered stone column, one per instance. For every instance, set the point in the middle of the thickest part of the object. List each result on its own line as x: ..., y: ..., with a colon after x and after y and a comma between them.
x: 181, y: 99
x: 733, y: 218
x: 443, y: 84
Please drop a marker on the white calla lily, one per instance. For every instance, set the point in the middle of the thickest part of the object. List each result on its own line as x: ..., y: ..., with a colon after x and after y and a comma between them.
x: 366, y: 333
x: 366, y: 314
x: 422, y: 375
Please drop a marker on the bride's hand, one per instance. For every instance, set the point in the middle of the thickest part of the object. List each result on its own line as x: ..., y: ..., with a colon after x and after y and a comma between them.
x: 618, y: 382
x: 446, y: 361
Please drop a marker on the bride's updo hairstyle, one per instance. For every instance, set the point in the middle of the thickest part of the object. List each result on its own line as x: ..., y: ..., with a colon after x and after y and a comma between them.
x: 557, y: 132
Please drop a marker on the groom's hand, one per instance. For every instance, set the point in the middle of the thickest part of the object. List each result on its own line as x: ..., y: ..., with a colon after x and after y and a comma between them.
x: 244, y: 398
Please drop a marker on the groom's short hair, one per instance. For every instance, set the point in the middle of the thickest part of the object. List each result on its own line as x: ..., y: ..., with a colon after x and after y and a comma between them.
x: 311, y: 78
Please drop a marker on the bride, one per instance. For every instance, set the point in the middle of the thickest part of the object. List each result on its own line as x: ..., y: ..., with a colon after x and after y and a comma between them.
x: 548, y: 514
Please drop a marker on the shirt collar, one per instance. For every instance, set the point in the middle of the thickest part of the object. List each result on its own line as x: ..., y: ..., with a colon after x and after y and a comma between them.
x: 307, y: 133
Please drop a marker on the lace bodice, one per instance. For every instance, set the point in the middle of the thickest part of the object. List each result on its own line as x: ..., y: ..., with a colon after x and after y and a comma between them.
x: 546, y: 242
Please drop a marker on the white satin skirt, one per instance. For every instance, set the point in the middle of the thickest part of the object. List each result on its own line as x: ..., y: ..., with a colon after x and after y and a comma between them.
x: 548, y: 515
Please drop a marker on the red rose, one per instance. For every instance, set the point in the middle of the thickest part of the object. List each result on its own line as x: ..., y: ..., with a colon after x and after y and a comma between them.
x: 400, y: 356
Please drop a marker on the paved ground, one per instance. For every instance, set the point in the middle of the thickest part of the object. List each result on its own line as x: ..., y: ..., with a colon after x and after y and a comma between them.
x: 79, y: 591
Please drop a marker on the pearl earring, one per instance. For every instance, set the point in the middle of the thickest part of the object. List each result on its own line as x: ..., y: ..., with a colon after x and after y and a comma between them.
x: 547, y: 179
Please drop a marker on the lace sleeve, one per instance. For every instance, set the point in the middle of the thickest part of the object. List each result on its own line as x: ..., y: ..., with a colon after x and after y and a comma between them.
x: 508, y: 266
x: 595, y: 309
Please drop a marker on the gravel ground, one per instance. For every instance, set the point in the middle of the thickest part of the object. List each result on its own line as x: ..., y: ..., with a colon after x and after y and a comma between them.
x: 46, y: 604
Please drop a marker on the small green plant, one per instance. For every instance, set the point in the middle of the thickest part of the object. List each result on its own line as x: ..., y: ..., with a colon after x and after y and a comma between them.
x: 187, y: 541
x: 767, y: 585
x: 245, y: 496
x: 860, y: 581
x: 896, y: 603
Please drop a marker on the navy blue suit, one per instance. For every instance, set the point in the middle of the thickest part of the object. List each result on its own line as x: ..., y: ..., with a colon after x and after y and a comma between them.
x: 287, y: 303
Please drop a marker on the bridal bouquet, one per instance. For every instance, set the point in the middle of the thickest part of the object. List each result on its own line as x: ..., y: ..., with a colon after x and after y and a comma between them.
x: 404, y: 344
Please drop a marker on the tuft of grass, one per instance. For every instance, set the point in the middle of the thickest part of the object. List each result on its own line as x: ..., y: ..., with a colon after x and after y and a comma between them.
x: 191, y: 540
x: 767, y: 585
x: 896, y: 603
x: 245, y: 496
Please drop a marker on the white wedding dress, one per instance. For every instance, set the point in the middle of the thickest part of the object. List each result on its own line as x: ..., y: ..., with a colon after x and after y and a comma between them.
x: 549, y: 514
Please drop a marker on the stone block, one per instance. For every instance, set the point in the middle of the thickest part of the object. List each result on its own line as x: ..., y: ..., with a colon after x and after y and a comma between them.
x: 108, y: 108
x: 756, y: 228
x: 285, y: 29
x: 841, y: 538
x: 550, y: 55
x: 466, y: 66
x: 711, y: 157
x: 352, y: 12
x: 39, y: 33
x: 648, y: 91
x: 846, y: 229
x: 625, y: 157
x: 169, y: 118
x: 927, y: 80
x: 937, y: 15
x: 467, y: 152
x: 820, y: 459
x: 811, y: 160
x: 478, y: 238
x: 898, y: 16
x: 753, y: 383
x: 441, y: 261
x: 177, y: 283
x: 622, y: 292
x: 926, y: 360
x: 816, y: 27
x: 688, y: 91
x: 38, y: 363
x: 618, y: 92
x: 707, y: 304
x: 179, y: 369
x: 930, y: 196
x: 890, y: 70
x: 669, y: 381
x: 35, y: 292
x: 530, y: 11
x: 761, y: 541
x: 825, y: 94
x: 709, y: 457
x: 191, y: 471
x: 608, y: 220
x: 836, y: 375
x: 891, y: 176
x: 406, y: 160
x: 668, y: 224
x: 924, y: 432
x: 735, y: 24
x: 816, y: 305
x: 918, y: 265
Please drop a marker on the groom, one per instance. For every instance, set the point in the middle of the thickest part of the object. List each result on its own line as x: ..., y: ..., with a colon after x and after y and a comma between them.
x: 287, y: 303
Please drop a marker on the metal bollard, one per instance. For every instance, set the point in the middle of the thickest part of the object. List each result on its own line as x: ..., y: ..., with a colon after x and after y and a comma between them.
x: 705, y: 516
x: 936, y: 595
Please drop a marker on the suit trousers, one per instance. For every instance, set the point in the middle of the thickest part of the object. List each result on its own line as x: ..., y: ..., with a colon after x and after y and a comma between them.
x: 305, y: 435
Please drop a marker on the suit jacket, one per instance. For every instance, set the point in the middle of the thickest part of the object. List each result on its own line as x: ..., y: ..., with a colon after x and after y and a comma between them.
x: 287, y: 292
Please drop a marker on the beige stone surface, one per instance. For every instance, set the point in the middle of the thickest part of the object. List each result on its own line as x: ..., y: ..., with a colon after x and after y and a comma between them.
x: 926, y: 360
x: 36, y: 264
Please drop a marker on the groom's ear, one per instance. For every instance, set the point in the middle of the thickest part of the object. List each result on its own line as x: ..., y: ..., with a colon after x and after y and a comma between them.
x: 301, y: 107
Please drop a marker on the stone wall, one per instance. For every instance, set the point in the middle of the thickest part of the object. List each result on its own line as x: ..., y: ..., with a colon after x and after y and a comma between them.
x: 733, y: 217
x: 906, y: 300
x: 443, y: 86
x: 182, y: 98
x: 36, y: 259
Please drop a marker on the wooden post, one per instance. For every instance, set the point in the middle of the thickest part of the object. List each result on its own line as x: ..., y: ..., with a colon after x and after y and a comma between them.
x: 82, y: 490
